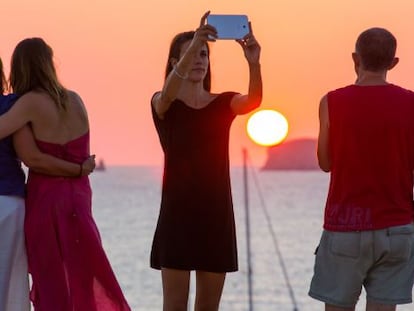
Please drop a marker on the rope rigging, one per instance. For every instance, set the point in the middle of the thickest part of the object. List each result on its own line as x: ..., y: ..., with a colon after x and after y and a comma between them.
x: 272, y: 232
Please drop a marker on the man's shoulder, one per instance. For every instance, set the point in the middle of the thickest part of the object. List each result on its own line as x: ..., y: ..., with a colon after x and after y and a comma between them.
x: 355, y: 88
x: 403, y: 89
x: 342, y: 89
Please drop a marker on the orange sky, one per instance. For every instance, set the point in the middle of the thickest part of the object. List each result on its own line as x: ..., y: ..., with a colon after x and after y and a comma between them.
x: 113, y: 53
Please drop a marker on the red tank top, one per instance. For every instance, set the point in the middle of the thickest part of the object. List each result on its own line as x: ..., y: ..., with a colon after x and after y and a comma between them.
x: 372, y: 158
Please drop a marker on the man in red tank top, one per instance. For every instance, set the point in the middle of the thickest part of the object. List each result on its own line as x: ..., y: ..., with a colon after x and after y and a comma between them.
x: 366, y: 142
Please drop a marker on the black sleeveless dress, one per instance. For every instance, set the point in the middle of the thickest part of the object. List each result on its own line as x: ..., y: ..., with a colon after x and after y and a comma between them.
x: 196, y: 229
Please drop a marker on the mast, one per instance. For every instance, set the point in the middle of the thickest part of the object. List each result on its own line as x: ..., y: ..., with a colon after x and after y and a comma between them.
x: 247, y: 222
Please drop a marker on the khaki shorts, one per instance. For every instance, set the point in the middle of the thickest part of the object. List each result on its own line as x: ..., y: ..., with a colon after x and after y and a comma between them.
x: 381, y: 260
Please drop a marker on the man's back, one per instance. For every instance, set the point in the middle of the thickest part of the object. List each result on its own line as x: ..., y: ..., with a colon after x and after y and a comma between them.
x: 372, y: 157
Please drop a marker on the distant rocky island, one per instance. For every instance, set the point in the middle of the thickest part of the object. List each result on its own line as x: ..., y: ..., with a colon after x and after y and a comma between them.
x: 298, y: 154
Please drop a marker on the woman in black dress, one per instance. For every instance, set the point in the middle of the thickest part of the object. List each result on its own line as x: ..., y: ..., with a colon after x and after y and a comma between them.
x: 196, y: 229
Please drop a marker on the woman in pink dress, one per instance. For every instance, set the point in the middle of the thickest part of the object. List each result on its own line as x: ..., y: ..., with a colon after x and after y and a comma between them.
x: 69, y: 268
x: 14, y: 280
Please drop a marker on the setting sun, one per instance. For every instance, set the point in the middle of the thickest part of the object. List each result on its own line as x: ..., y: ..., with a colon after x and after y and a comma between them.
x: 267, y: 127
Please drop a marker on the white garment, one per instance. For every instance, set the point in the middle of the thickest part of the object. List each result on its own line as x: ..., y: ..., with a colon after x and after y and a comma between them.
x: 14, y: 280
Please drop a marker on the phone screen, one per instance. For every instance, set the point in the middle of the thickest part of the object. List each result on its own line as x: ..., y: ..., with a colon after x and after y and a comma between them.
x: 229, y: 26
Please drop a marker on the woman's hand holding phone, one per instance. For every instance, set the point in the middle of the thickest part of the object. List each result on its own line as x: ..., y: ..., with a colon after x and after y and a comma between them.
x: 250, y: 47
x: 205, y: 32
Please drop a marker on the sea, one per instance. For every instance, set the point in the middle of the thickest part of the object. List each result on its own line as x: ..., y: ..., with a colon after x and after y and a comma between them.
x: 284, y: 211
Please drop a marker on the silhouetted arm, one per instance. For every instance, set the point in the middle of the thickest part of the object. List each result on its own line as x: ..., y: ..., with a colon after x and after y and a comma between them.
x: 242, y: 104
x: 324, y: 157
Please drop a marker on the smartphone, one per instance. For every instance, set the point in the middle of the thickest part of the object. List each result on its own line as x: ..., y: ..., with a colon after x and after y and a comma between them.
x: 230, y: 27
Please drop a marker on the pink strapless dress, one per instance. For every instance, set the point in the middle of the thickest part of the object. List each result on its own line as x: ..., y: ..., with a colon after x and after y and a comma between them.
x: 68, y: 265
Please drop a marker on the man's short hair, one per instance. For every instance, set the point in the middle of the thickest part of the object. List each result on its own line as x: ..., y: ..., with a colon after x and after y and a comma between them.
x: 376, y: 47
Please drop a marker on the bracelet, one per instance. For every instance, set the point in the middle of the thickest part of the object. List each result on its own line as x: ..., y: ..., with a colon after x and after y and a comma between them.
x: 81, y: 169
x: 178, y: 74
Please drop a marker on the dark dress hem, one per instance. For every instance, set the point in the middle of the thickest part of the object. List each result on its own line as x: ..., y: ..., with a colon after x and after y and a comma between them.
x: 193, y: 268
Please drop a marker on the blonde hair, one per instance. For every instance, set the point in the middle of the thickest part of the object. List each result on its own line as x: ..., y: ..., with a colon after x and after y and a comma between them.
x: 32, y: 69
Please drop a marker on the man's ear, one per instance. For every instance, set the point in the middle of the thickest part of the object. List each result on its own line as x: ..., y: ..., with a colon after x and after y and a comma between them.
x: 394, y: 63
x: 357, y: 61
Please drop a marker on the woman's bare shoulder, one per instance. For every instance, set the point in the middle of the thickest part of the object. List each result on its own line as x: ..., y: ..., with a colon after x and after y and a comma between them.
x: 74, y: 96
x: 32, y: 95
x: 156, y: 97
x: 77, y: 102
x: 32, y: 98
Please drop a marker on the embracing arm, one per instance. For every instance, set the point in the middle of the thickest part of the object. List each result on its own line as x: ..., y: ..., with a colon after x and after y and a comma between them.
x: 242, y: 104
x: 43, y: 163
x: 324, y: 157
